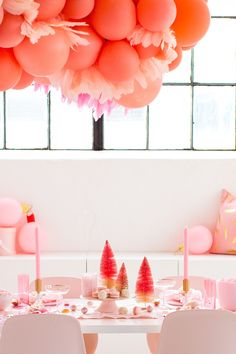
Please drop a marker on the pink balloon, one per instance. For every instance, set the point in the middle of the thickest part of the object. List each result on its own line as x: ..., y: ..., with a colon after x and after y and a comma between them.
x: 10, y: 31
x: 45, y: 57
x: 77, y: 9
x: 26, y: 237
x: 83, y: 56
x: 1, y: 14
x: 141, y: 97
x: 49, y: 8
x: 10, y: 212
x: 200, y: 239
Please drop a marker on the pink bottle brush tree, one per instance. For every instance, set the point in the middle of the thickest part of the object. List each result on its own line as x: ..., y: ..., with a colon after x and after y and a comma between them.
x: 122, y: 279
x: 108, y: 268
x: 144, y: 285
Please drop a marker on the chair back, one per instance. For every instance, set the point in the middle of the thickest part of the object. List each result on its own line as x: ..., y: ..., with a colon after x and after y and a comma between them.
x: 198, y: 332
x: 37, y: 334
x: 75, y: 285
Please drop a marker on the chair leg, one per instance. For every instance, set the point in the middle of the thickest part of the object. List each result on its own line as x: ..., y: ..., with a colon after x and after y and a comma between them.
x: 153, y: 342
x: 91, y: 342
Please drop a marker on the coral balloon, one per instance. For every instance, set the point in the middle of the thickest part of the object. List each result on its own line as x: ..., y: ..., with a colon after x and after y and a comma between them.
x: 25, y: 80
x: 45, y: 57
x: 10, y: 212
x: 77, y: 9
x: 83, y: 56
x: 177, y: 60
x: 1, y: 14
x: 141, y: 97
x: 192, y: 21
x: 114, y: 20
x: 156, y: 15
x: 42, y: 80
x: 146, y: 52
x: 10, y: 31
x: 118, y: 61
x: 49, y: 8
x: 189, y: 46
x: 10, y: 70
x: 26, y: 237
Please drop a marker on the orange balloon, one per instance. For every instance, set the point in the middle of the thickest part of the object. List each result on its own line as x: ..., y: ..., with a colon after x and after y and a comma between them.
x: 192, y: 21
x: 189, y: 46
x: 25, y: 80
x: 156, y: 15
x: 77, y: 9
x: 146, y: 52
x: 49, y: 8
x: 45, y: 57
x: 114, y: 20
x: 83, y: 56
x: 118, y: 61
x: 1, y: 14
x: 177, y: 60
x: 141, y: 97
x: 10, y: 30
x: 10, y: 70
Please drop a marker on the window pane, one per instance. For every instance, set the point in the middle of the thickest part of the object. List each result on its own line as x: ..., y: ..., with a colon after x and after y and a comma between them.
x: 183, y: 72
x: 215, y: 54
x: 71, y: 127
x: 214, y: 118
x: 126, y: 130
x: 1, y: 121
x: 170, y: 119
x: 222, y: 7
x: 27, y: 119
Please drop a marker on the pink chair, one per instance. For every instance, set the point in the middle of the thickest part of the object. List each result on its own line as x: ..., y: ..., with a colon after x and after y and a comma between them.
x: 37, y: 334
x: 196, y: 282
x: 91, y: 339
x: 198, y: 332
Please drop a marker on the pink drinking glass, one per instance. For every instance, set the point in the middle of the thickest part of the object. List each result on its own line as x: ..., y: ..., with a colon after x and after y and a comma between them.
x: 23, y: 288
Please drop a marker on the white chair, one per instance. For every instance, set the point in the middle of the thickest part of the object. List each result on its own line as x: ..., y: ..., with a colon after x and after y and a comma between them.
x: 37, y: 334
x: 90, y: 339
x: 198, y: 332
x: 195, y: 282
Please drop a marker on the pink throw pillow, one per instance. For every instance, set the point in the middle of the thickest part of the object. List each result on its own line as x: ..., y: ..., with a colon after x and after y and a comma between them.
x: 224, y: 240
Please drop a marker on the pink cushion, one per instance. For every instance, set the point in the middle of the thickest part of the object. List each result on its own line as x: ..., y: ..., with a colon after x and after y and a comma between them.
x: 224, y: 240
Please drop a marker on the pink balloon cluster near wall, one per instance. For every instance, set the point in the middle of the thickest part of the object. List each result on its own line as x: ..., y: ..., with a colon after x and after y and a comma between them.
x: 109, y: 51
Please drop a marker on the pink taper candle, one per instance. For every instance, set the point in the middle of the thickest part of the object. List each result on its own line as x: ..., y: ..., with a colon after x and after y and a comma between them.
x: 186, y: 253
x: 37, y: 259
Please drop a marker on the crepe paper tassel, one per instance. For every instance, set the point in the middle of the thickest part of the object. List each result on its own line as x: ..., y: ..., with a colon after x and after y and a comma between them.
x: 84, y: 56
x: 1, y: 14
x: 27, y: 8
x: 144, y: 286
x: 122, y: 279
x: 25, y: 80
x: 85, y: 100
x: 122, y: 69
x: 108, y: 268
x: 114, y: 20
x: 26, y: 237
x: 10, y: 211
x: 156, y: 15
x: 200, y: 239
x: 192, y: 21
x: 10, y: 31
x: 46, y: 56
x: 146, y: 52
x: 10, y: 70
x: 141, y: 96
x: 178, y: 59
x: 77, y: 9
x: 49, y: 9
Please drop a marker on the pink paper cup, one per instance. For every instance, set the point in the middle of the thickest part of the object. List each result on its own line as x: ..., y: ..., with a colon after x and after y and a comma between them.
x: 227, y: 294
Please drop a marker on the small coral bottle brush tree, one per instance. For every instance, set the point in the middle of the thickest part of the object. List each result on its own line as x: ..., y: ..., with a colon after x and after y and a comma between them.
x: 108, y: 268
x: 144, y: 286
x: 122, y: 281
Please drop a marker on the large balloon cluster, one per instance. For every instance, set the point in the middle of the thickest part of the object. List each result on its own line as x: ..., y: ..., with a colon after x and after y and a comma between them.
x: 99, y: 53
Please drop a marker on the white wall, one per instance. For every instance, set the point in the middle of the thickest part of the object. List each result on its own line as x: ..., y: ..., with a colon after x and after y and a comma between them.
x: 139, y: 201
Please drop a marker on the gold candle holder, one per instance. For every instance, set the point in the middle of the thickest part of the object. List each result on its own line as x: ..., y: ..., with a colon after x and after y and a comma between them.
x: 185, y: 285
x: 38, y: 285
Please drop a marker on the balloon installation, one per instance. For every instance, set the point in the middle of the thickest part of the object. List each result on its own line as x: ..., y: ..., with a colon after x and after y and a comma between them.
x: 98, y: 53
